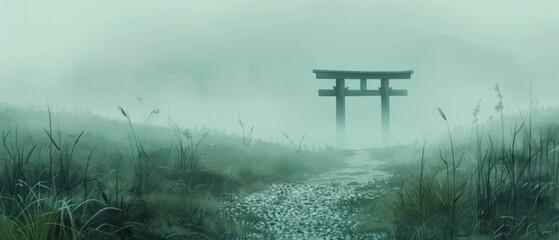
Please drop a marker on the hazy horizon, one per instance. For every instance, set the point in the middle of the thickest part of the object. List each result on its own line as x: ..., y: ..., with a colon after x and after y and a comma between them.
x: 209, y: 60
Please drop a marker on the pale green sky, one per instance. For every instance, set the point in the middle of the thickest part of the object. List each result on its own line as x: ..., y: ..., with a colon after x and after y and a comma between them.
x: 212, y: 59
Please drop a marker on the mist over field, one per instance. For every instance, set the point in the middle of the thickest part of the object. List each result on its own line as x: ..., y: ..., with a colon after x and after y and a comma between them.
x: 184, y: 119
x: 206, y: 61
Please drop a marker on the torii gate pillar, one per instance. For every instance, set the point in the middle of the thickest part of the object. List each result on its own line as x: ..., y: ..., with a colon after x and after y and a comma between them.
x: 340, y: 92
x: 340, y: 111
x: 385, y: 109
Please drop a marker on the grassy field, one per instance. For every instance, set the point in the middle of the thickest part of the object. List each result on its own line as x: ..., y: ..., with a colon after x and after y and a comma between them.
x: 494, y: 180
x: 81, y: 176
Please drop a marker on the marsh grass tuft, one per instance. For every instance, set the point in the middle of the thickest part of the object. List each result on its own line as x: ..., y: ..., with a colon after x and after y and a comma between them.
x: 297, y: 147
x: 247, y: 137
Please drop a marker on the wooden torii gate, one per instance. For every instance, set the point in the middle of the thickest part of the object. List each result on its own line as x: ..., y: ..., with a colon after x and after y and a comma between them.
x: 340, y: 92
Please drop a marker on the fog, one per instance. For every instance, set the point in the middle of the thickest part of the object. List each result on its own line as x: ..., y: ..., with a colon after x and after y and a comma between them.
x: 207, y: 61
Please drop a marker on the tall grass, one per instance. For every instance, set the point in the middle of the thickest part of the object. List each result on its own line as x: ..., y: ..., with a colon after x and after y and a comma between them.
x: 247, y: 136
x: 126, y: 179
x: 298, y: 147
x: 498, y: 189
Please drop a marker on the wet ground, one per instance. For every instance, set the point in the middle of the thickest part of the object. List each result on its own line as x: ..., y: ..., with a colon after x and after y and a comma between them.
x: 320, y: 208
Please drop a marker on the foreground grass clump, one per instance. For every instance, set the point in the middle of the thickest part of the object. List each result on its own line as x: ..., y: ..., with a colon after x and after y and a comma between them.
x: 42, y: 215
x: 503, y: 185
x: 81, y: 176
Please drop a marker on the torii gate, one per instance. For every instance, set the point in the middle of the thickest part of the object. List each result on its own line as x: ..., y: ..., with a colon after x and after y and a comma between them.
x: 340, y: 91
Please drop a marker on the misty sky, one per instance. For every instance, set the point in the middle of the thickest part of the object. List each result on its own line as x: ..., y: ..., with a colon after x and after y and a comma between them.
x: 212, y: 59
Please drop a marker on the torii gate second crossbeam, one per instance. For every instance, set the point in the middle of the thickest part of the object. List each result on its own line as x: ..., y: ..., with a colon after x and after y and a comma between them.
x: 340, y: 92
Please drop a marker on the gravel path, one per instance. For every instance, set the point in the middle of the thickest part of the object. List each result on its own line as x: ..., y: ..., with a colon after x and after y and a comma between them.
x: 320, y: 208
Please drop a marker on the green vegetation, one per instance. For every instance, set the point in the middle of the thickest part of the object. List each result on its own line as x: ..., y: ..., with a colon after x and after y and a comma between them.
x: 81, y: 176
x: 497, y: 184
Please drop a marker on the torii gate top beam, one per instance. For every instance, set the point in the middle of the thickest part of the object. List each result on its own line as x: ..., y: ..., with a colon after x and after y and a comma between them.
x: 334, y: 74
